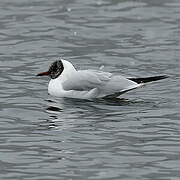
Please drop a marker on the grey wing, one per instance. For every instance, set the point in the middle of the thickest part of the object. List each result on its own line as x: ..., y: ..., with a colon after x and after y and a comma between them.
x: 86, y: 80
x: 119, y: 85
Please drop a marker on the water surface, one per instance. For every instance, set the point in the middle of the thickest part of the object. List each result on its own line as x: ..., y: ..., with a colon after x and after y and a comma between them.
x: 136, y: 137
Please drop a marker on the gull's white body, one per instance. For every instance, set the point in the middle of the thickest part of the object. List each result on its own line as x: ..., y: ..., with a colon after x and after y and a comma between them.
x: 87, y: 84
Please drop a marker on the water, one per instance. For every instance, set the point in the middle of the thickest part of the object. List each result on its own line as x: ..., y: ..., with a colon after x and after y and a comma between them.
x: 42, y: 137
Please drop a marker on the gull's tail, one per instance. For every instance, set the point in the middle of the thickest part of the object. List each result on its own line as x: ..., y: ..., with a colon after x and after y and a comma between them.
x: 148, y: 79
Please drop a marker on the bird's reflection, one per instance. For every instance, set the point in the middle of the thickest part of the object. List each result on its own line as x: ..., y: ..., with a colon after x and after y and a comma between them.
x: 59, y: 104
x: 64, y: 112
x: 53, y: 108
x: 71, y: 106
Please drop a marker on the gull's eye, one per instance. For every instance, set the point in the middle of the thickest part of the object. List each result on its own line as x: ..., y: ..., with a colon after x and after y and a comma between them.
x: 55, y: 67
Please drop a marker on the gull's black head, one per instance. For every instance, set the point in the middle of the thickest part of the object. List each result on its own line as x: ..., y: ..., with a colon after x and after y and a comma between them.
x: 54, y: 71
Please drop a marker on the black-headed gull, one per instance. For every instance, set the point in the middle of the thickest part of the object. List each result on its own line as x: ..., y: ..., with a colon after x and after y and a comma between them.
x: 66, y: 81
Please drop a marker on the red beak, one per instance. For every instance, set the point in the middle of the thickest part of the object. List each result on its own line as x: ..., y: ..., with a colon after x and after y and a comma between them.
x: 43, y: 74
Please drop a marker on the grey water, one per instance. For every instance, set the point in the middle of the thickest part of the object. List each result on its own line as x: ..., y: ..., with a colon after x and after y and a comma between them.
x: 48, y: 138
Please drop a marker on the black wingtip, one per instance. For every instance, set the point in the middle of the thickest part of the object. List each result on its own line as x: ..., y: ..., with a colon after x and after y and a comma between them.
x: 148, y: 79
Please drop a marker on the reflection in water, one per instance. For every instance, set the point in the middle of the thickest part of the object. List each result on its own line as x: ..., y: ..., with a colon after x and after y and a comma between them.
x: 64, y: 111
x: 53, y: 108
